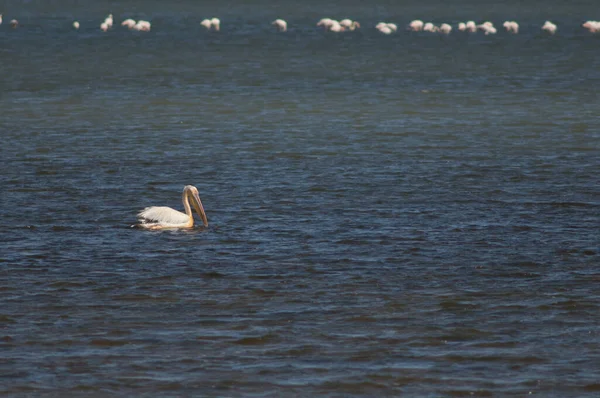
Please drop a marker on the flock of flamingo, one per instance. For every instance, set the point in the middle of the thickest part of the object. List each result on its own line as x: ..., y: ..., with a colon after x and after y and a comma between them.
x: 332, y: 25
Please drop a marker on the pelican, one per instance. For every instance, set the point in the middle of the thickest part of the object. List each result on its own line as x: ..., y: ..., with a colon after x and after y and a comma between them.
x: 162, y: 217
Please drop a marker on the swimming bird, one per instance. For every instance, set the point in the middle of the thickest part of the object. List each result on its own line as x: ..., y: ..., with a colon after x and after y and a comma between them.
x: 445, y: 29
x: 14, y: 23
x: 280, y: 24
x: 162, y: 217
x: 0, y: 19
x: 76, y: 25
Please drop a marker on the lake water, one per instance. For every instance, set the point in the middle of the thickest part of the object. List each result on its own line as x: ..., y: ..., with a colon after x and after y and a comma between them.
x: 411, y: 214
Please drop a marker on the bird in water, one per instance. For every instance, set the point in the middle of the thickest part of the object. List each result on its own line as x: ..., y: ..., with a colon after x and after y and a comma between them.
x: 162, y: 217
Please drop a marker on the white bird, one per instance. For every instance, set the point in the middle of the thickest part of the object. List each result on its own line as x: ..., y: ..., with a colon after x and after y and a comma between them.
x: 462, y: 26
x: 109, y: 21
x: 206, y: 23
x: 592, y: 26
x: 143, y: 26
x: 549, y: 27
x: 325, y: 23
x: 445, y: 28
x: 104, y: 26
x: 76, y: 25
x: 471, y: 27
x: 0, y: 19
x: 511, y: 27
x: 416, y: 25
x: 216, y: 24
x: 280, y: 24
x: 130, y: 23
x: 162, y: 217
x: 14, y: 23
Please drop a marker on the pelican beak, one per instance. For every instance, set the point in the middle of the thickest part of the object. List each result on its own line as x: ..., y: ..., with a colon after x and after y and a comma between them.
x: 197, y: 203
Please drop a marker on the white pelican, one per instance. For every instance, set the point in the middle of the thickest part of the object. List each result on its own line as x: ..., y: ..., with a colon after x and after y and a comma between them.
x: 162, y: 217
x: 76, y: 25
x: 280, y: 24
x: 549, y: 27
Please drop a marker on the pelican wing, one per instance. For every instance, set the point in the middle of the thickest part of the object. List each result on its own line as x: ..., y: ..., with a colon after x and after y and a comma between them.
x: 163, y: 215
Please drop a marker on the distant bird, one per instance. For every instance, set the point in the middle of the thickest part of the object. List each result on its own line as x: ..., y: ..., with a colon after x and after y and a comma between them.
x: 392, y: 26
x: 216, y: 24
x: 130, y: 23
x: 142, y: 26
x: 445, y: 29
x: 325, y: 23
x: 280, y: 24
x: 76, y: 25
x: 471, y: 27
x: 592, y: 26
x: 162, y: 217
x: 104, y: 26
x: 14, y: 23
x: 349, y: 24
x: 384, y: 28
x: 549, y: 27
x: 416, y: 25
x: 0, y: 19
x: 429, y: 27
x: 209, y: 24
x: 511, y: 27
x: 109, y: 21
x: 488, y: 28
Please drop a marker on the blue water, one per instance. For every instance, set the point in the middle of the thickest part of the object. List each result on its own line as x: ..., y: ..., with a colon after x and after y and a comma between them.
x: 411, y: 214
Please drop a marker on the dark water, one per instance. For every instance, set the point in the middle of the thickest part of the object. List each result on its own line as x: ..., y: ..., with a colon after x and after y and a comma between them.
x: 389, y: 215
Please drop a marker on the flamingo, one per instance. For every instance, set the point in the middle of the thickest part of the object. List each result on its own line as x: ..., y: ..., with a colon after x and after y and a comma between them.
x: 592, y: 26
x: 109, y: 21
x: 462, y: 26
x: 511, y: 27
x: 416, y: 25
x: 549, y: 27
x: 130, y: 23
x: 104, y: 26
x: 445, y: 28
x: 76, y: 25
x: 471, y: 27
x: 216, y: 24
x: 280, y: 24
x: 143, y: 26
x: 162, y: 217
x: 0, y: 19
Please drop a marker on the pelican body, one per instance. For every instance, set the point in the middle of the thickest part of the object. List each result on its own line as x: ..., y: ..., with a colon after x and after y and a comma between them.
x: 162, y: 217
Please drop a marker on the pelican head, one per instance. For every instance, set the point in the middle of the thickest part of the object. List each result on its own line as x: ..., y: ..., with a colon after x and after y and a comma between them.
x: 192, y: 193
